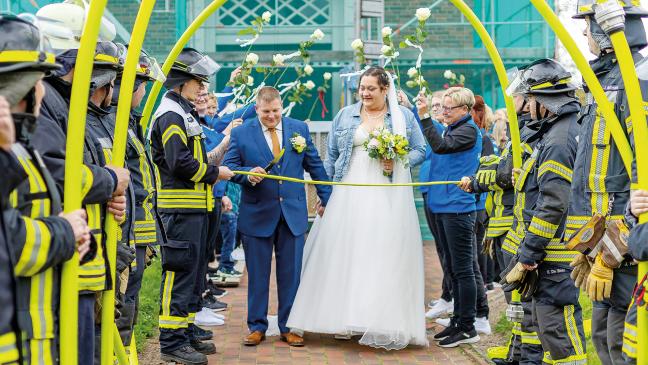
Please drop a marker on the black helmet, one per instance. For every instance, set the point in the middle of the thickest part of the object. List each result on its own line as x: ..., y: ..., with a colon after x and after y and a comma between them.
x: 22, y: 48
x: 107, y: 56
x: 542, y: 77
x: 586, y: 8
x: 195, y: 64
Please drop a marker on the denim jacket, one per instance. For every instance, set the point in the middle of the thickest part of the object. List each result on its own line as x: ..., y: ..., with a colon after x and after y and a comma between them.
x: 340, y: 139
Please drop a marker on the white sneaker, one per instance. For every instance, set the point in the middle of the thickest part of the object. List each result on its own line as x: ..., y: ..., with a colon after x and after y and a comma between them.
x: 432, y: 303
x: 445, y: 322
x: 439, y: 308
x: 482, y: 325
x: 215, y: 314
x: 207, y: 318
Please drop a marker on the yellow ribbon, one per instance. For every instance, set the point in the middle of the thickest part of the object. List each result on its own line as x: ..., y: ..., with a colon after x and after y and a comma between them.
x: 316, y: 182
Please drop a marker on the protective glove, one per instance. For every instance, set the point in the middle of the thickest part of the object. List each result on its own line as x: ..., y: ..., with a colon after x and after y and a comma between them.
x: 581, y: 271
x: 486, y: 177
x: 512, y: 276
x: 599, y: 282
x: 125, y: 256
x: 529, y: 285
x: 487, y: 247
x: 150, y: 254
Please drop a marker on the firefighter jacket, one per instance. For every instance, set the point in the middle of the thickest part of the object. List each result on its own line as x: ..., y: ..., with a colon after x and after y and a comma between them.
x: 178, y: 150
x: 49, y: 140
x: 41, y: 241
x: 9, y: 350
x: 142, y: 218
x: 544, y: 185
x: 601, y: 181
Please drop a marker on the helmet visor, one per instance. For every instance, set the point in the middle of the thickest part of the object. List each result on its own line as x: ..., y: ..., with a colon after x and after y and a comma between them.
x: 154, y: 71
x: 204, y: 67
x: 516, y: 86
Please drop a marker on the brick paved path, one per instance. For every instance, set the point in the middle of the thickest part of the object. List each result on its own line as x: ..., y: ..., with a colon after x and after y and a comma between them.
x: 324, y: 349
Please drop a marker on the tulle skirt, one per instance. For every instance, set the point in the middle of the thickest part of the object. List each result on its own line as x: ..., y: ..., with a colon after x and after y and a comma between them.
x: 362, y: 271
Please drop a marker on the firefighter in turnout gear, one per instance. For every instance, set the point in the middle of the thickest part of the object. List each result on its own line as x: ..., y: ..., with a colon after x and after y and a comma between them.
x: 602, y: 188
x: 540, y: 269
x: 41, y: 239
x: 142, y: 229
x: 494, y: 175
x: 184, y: 200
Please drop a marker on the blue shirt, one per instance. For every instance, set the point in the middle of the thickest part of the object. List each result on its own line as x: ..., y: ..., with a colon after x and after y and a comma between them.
x: 212, y: 140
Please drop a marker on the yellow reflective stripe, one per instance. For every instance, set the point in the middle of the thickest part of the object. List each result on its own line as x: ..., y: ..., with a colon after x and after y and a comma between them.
x: 624, y: 3
x: 557, y: 168
x: 547, y: 84
x: 145, y: 232
x: 202, y: 169
x: 40, y: 304
x: 526, y: 169
x: 171, y: 131
x: 191, y: 318
x: 87, y: 179
x: 599, y: 165
x: 527, y: 148
x: 27, y: 56
x: 166, y: 293
x: 630, y: 340
x: 572, y: 329
x: 92, y: 274
x: 172, y: 322
x: 106, y: 58
x: 560, y: 255
x: 36, y: 247
x: 530, y: 338
x: 542, y: 228
x: 8, y: 348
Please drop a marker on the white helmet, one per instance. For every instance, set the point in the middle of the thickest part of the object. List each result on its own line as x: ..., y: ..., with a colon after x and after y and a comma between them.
x: 69, y: 14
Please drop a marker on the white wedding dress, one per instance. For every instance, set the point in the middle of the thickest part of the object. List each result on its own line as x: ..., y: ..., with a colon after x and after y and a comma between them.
x: 362, y: 271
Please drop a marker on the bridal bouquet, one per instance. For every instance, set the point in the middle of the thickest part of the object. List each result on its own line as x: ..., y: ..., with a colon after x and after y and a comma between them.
x: 384, y: 145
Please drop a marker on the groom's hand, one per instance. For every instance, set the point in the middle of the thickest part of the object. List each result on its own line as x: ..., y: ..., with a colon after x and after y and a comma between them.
x: 319, y: 208
x: 257, y: 179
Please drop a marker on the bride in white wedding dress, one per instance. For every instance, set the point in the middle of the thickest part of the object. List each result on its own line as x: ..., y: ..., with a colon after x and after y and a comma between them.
x: 362, y: 271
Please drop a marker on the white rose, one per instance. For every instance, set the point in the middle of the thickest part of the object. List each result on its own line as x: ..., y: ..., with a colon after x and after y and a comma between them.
x: 386, y: 32
x: 412, y: 72
x: 385, y: 49
x: 252, y: 58
x: 250, y: 81
x: 447, y: 74
x: 308, y: 69
x: 266, y: 16
x: 373, y: 143
x: 317, y: 35
x: 327, y: 76
x: 299, y: 141
x: 422, y: 14
x: 309, y: 84
x: 357, y: 44
x: 278, y: 59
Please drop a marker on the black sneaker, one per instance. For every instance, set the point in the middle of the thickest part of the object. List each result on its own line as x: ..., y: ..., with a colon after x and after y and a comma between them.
x: 215, y: 291
x: 448, y: 331
x: 460, y: 337
x: 202, y: 334
x: 206, y: 348
x: 213, y: 304
x: 185, y: 355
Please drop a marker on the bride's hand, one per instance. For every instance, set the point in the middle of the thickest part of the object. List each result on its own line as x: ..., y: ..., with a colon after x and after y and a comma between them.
x: 319, y: 208
x: 388, y: 166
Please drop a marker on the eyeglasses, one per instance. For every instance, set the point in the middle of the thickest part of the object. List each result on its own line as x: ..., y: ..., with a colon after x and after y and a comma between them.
x: 436, y: 106
x: 447, y: 109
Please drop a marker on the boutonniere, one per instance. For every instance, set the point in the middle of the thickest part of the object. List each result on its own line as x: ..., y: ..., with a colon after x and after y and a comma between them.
x: 298, y: 142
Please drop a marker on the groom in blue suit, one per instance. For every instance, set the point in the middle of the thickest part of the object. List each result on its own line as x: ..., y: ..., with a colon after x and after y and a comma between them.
x: 273, y: 214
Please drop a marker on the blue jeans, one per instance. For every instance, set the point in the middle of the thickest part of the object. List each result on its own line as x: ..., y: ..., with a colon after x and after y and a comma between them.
x: 228, y: 232
x: 456, y: 236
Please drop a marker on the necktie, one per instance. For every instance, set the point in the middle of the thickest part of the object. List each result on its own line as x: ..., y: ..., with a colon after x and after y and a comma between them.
x: 275, y: 141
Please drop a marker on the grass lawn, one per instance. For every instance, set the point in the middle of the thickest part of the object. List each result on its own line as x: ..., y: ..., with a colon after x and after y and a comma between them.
x: 147, y: 320
x: 503, y: 327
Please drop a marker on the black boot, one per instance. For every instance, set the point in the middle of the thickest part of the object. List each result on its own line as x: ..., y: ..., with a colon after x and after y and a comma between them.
x: 504, y: 362
x: 206, y: 348
x: 184, y: 355
x: 201, y: 334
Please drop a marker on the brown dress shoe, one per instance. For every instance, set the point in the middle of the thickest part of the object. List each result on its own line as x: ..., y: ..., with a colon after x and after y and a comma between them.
x: 292, y: 339
x: 254, y: 338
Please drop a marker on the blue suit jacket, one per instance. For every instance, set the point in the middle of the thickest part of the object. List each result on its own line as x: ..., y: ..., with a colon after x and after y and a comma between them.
x: 263, y: 204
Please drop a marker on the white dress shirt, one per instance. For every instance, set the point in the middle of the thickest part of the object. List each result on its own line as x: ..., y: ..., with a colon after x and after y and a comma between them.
x: 266, y: 134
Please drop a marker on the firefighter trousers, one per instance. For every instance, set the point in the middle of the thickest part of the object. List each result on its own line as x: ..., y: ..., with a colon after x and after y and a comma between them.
x: 128, y: 310
x: 186, y: 242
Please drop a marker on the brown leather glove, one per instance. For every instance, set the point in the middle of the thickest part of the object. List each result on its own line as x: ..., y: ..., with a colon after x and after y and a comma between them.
x: 582, y: 267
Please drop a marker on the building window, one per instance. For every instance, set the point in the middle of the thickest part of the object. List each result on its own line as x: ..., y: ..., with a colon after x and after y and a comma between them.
x: 293, y: 12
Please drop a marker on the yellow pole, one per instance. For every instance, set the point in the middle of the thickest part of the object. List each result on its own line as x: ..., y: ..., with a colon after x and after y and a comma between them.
x: 175, y: 51
x: 640, y: 131
x: 120, y: 351
x: 605, y: 106
x: 118, y: 158
x: 514, y: 128
x: 73, y: 162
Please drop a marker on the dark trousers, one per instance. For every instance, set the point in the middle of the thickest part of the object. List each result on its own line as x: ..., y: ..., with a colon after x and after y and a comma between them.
x: 86, y: 333
x: 186, y: 241
x: 128, y: 310
x: 446, y: 282
x: 288, y: 251
x: 209, y: 253
x: 457, y: 239
x: 486, y: 263
x: 482, y: 300
x: 608, y: 318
